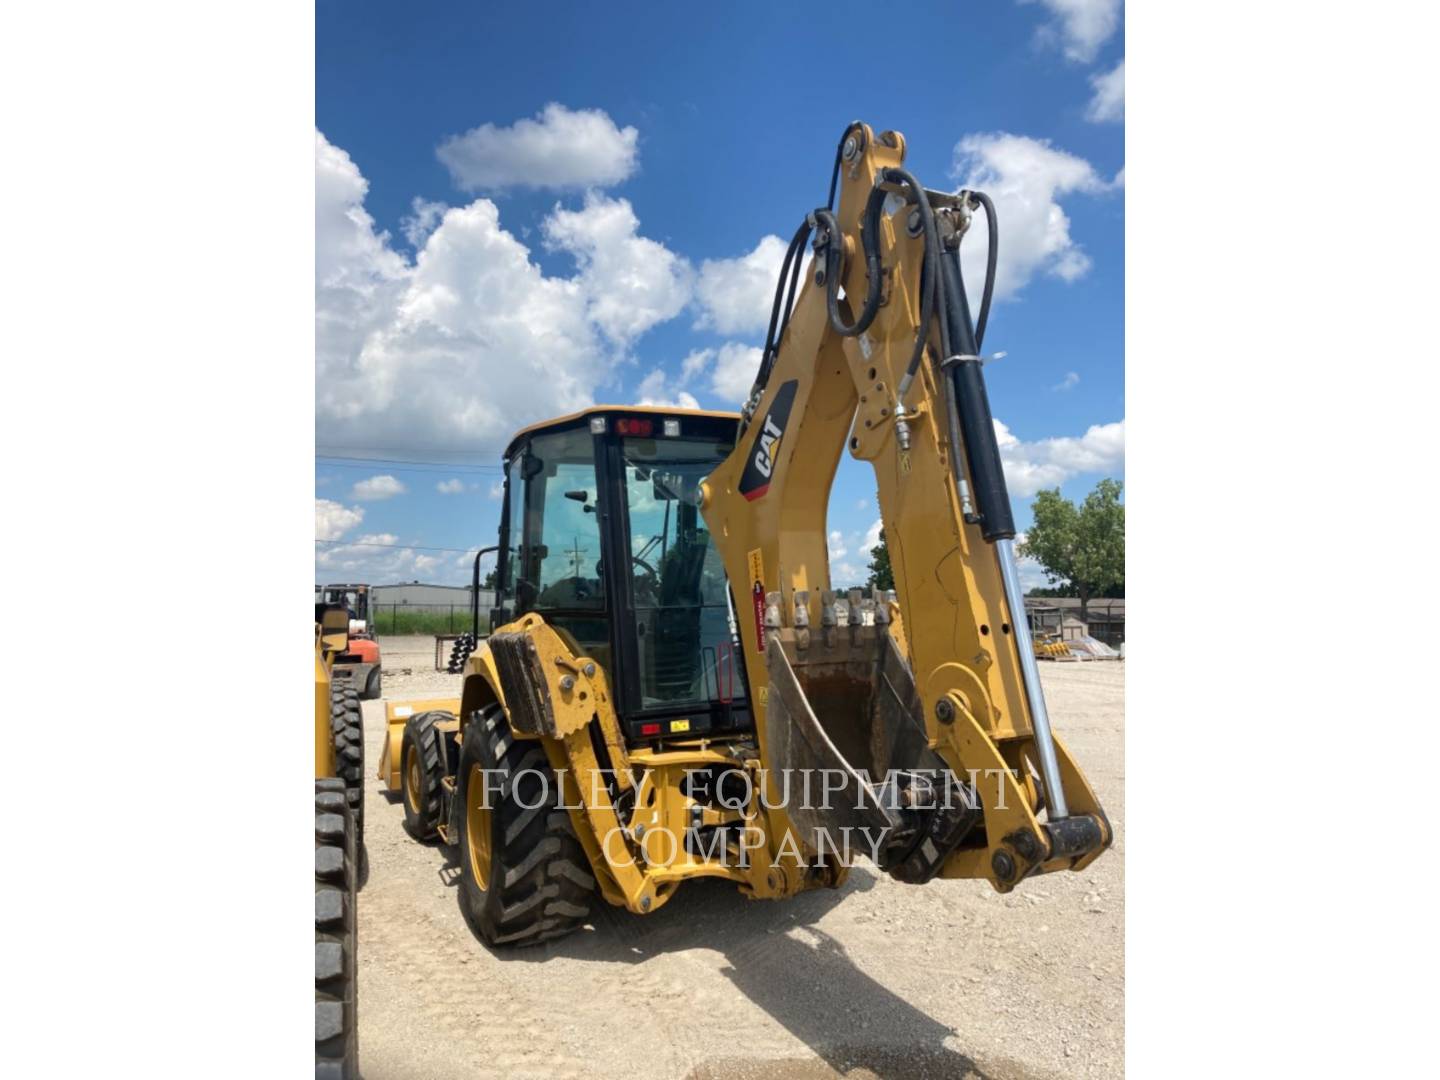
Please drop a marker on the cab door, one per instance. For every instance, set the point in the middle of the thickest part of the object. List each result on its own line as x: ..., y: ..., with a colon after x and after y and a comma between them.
x: 680, y: 659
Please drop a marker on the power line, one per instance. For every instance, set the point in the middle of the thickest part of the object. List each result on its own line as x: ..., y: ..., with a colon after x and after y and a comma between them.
x: 416, y: 547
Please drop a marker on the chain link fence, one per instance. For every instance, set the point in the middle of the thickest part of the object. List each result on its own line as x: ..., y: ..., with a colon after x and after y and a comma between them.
x: 425, y: 618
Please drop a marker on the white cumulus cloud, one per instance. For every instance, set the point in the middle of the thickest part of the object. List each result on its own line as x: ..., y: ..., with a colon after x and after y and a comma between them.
x: 471, y: 340
x: 836, y: 545
x: 561, y: 148
x: 733, y: 372
x: 731, y: 369
x: 872, y: 536
x: 1045, y: 463
x: 655, y: 390
x: 332, y: 520
x: 377, y: 557
x: 631, y: 283
x: 1108, y: 101
x: 421, y: 221
x: 695, y: 362
x: 1079, y: 27
x: 1025, y: 177
x: 358, y: 279
x: 735, y: 295
x: 376, y: 488
x: 453, y: 486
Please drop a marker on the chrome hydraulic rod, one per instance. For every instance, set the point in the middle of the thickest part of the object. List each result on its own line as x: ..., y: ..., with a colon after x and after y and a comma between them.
x: 1030, y: 670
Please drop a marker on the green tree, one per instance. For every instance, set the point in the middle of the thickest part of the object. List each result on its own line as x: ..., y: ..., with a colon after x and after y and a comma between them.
x: 881, y: 576
x: 1084, y: 545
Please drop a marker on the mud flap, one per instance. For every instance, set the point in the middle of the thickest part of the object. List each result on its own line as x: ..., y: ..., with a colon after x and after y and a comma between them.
x: 864, y: 775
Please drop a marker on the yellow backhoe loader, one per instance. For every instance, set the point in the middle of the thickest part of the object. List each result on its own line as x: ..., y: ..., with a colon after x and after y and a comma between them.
x: 674, y: 690
x: 339, y: 789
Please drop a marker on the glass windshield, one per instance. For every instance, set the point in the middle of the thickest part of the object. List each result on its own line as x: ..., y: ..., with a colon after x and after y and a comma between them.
x: 347, y: 597
x: 678, y: 590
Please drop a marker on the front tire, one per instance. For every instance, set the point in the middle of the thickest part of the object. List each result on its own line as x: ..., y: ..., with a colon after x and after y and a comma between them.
x: 524, y: 877
x: 372, y: 685
x: 337, y: 1047
x: 347, y: 728
x: 422, y: 757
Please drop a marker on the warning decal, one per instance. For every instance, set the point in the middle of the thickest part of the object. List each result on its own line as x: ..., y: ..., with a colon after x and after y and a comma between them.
x: 757, y: 596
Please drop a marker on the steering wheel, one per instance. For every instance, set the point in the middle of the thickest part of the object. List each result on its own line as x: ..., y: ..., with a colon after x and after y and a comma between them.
x: 649, y: 582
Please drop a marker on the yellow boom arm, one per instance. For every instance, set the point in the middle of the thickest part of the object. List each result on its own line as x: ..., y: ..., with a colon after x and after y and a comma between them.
x: 934, y: 687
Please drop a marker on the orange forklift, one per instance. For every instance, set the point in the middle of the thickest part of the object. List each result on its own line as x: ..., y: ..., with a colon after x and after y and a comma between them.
x: 359, y: 665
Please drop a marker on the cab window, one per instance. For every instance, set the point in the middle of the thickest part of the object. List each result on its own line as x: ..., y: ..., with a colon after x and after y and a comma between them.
x: 559, y: 567
x: 678, y: 590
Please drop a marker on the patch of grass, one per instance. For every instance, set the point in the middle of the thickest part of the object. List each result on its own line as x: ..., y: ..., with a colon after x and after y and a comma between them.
x: 401, y: 620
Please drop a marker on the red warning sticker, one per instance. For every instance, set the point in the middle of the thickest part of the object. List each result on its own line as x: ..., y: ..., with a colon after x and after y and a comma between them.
x: 757, y: 596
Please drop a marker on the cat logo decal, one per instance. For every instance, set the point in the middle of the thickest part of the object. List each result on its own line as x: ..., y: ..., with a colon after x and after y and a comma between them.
x: 765, y: 451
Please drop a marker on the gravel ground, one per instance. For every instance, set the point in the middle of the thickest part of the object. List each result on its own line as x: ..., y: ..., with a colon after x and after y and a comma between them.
x: 876, y: 979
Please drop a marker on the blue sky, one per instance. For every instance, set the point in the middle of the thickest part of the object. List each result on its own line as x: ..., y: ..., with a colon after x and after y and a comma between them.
x: 518, y: 215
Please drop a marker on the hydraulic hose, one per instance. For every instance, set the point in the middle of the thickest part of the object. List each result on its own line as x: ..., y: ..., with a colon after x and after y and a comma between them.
x: 834, y: 258
x: 930, y: 297
x: 992, y: 244
x: 855, y: 126
x: 780, y: 309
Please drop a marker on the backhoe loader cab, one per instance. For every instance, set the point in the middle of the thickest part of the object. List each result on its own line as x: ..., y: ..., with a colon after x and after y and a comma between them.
x: 601, y: 535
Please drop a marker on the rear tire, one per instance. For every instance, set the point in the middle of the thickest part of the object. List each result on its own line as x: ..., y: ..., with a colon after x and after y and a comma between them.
x: 372, y: 685
x: 337, y: 1048
x: 525, y: 878
x: 422, y: 770
x: 347, y: 728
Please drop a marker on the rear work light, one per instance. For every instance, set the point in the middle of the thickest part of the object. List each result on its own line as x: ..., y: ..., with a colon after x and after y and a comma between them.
x: 631, y: 426
x: 672, y: 428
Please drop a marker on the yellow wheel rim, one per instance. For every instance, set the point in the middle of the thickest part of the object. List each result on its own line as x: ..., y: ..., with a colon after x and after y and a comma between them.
x: 412, y: 779
x: 477, y: 826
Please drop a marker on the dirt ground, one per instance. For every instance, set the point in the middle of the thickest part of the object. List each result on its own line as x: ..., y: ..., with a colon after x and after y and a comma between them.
x: 875, y: 979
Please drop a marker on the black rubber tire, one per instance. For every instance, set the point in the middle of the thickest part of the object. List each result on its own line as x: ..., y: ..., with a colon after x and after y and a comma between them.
x: 540, y: 885
x: 372, y: 685
x: 347, y: 729
x: 337, y: 1046
x: 460, y: 653
x: 420, y: 733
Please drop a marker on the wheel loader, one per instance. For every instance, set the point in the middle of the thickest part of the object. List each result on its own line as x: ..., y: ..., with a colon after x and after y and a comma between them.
x: 339, y: 835
x: 673, y: 689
